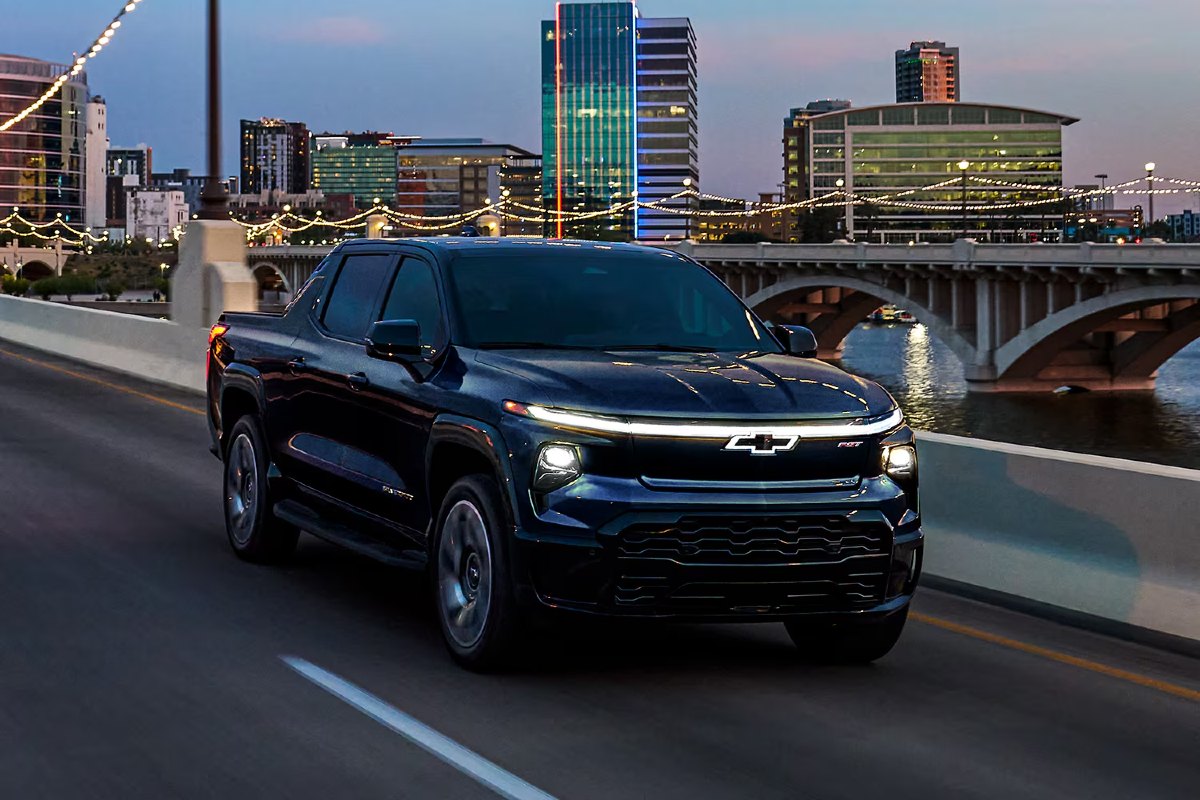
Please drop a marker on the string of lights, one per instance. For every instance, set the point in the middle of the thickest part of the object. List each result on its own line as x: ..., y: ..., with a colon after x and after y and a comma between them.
x: 76, y: 67
x: 290, y: 222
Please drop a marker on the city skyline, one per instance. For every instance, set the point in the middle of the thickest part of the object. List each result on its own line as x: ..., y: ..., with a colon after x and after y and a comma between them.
x: 307, y: 66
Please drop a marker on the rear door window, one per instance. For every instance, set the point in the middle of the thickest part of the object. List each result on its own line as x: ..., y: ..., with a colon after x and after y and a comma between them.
x: 355, y: 295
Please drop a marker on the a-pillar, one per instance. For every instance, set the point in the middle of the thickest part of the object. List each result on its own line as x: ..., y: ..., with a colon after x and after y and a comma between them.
x: 212, y: 276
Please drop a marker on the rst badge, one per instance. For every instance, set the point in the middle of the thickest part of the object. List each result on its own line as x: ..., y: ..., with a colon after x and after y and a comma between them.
x: 762, y: 444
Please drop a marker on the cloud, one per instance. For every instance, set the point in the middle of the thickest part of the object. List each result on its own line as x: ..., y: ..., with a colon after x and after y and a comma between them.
x: 333, y: 31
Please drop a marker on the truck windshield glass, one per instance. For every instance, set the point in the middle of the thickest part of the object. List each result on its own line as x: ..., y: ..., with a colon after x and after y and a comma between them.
x: 599, y: 301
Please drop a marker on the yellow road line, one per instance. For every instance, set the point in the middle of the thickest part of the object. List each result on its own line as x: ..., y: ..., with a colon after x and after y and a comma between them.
x: 1062, y: 658
x: 101, y: 382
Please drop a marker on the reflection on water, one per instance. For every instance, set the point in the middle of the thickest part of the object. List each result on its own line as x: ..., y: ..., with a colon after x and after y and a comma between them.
x: 925, y: 376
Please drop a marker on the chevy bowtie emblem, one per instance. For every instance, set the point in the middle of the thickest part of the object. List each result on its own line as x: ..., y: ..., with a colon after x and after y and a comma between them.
x: 762, y: 444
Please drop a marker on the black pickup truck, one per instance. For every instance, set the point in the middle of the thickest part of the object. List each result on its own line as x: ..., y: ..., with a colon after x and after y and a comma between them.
x: 567, y: 426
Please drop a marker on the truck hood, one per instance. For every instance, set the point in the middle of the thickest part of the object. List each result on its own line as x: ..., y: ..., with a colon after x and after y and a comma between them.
x: 690, y: 385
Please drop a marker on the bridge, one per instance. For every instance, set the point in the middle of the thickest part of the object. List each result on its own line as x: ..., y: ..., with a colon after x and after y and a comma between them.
x: 1019, y: 317
x: 110, y: 485
x: 33, y: 263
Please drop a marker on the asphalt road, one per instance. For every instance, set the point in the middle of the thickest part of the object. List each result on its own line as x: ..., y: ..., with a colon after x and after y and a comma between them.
x: 139, y: 658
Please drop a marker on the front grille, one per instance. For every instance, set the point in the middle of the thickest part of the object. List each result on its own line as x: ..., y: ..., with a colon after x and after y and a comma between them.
x: 759, y: 564
x: 751, y: 540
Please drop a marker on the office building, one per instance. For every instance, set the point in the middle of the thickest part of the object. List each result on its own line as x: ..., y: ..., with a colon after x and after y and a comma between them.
x: 446, y: 177
x: 95, y: 172
x: 126, y: 168
x: 927, y: 72
x: 136, y: 162
x: 892, y: 153
x: 181, y: 180
x: 521, y: 184
x: 795, y: 145
x: 1184, y: 227
x: 275, y: 156
x: 364, y: 165
x: 42, y: 157
x: 427, y: 177
x: 155, y: 214
x: 619, y: 118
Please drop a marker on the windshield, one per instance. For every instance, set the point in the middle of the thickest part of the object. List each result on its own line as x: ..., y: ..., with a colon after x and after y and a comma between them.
x: 567, y: 298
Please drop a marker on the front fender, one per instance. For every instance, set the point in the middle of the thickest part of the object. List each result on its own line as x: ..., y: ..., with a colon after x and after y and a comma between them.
x: 481, y: 437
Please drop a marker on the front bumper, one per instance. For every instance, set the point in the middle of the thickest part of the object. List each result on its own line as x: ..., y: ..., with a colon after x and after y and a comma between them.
x: 615, y: 547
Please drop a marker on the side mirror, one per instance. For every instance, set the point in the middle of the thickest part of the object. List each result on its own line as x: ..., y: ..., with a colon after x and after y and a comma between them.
x: 798, y: 340
x: 395, y: 340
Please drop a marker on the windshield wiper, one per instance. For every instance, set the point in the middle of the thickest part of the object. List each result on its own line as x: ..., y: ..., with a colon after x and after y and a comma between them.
x: 530, y: 346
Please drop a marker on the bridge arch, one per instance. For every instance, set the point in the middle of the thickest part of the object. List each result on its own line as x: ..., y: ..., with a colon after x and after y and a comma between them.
x: 832, y: 322
x: 1116, y: 340
x: 36, y: 270
x: 273, y: 284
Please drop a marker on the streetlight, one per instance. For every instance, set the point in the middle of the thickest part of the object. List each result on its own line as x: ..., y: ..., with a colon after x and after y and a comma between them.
x: 964, y: 165
x: 843, y: 223
x: 1150, y: 191
x: 1103, y: 177
x: 504, y: 195
x: 687, y: 220
x: 214, y: 198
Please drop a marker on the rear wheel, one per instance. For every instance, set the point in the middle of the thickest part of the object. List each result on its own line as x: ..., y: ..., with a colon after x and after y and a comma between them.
x: 254, y: 532
x: 476, y: 608
x: 847, y: 643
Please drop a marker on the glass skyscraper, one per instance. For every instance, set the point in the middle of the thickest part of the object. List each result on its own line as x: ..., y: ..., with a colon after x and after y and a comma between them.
x: 604, y: 91
x: 42, y: 157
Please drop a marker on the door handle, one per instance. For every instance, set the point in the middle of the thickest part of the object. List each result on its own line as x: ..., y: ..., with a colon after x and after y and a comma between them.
x: 358, y: 381
x: 296, y: 365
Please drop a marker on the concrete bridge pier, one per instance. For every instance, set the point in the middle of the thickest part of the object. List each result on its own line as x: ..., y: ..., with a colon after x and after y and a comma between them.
x: 212, y: 276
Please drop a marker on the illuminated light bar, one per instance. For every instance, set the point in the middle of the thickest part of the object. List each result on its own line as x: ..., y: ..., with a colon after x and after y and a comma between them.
x: 687, y: 430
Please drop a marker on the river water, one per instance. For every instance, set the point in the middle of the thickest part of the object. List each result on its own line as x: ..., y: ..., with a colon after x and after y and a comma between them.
x: 1162, y: 427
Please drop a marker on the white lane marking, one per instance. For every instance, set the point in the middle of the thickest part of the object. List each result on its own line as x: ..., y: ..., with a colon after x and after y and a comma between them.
x: 500, y: 781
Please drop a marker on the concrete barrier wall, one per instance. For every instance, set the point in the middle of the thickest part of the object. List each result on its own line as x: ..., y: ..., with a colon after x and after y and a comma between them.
x: 153, y: 349
x: 1115, y: 539
x: 1107, y: 537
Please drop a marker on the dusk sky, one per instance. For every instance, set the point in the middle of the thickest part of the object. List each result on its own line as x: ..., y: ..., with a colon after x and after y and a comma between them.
x: 464, y: 68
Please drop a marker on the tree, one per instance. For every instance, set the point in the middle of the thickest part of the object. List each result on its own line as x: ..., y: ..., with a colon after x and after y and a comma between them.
x: 46, y: 288
x: 113, y: 288
x: 74, y: 283
x: 17, y: 287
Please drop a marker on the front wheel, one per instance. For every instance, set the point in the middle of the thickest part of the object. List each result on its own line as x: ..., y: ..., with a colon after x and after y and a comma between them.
x: 476, y: 608
x: 254, y: 532
x: 847, y: 643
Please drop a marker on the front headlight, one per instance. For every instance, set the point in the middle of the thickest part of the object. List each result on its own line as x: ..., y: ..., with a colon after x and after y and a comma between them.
x: 900, y: 461
x: 556, y: 466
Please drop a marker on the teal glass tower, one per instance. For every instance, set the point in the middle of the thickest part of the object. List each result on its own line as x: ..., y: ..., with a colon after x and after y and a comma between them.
x: 589, y: 117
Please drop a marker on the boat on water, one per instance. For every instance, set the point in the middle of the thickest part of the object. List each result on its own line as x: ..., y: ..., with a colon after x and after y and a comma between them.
x: 890, y: 315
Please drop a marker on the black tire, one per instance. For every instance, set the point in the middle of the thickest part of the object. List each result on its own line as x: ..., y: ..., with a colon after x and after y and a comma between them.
x: 254, y: 532
x: 474, y: 599
x: 847, y: 643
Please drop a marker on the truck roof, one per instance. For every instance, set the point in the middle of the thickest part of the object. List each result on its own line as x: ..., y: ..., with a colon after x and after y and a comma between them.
x: 462, y: 245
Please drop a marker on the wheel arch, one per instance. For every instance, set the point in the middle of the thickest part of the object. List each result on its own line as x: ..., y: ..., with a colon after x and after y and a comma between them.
x: 241, y: 394
x: 460, y: 446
